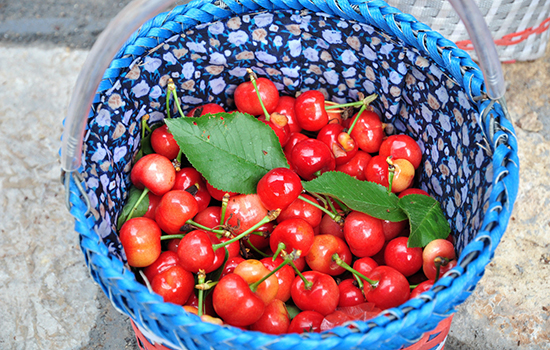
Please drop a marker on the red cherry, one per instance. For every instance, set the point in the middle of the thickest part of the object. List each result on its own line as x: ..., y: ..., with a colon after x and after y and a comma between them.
x: 175, y: 285
x: 393, y: 229
x: 231, y: 264
x: 163, y: 142
x: 209, y: 108
x: 278, y: 188
x: 246, y: 98
x: 209, y: 217
x: 260, y: 242
x: 413, y: 191
x: 377, y: 171
x: 285, y: 276
x: 421, y: 288
x: 330, y: 227
x: 364, y: 265
x: 306, y: 322
x: 292, y: 141
x: 154, y: 201
x: 233, y: 250
x: 217, y: 194
x: 195, y: 251
x: 406, y: 260
x: 356, y: 166
x: 286, y: 108
x: 235, y: 303
x: 274, y: 320
x: 165, y: 261
x: 188, y: 177
x: 140, y: 238
x: 323, y: 248
x: 401, y: 147
x: 368, y: 131
x: 296, y: 234
x: 155, y: 172
x: 174, y: 209
x: 279, y: 124
x: 244, y: 211
x: 310, y: 110
x: 252, y: 271
x: 329, y: 135
x: 300, y: 209
x: 364, y: 234
x: 172, y: 245
x: 310, y: 158
x: 391, y: 290
x: 323, y: 296
x: 350, y: 293
x: 437, y: 248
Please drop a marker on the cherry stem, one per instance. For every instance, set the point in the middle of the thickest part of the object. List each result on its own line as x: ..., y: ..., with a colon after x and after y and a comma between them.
x: 254, y: 286
x: 166, y: 237
x: 359, y: 282
x: 333, y: 216
x: 225, y: 202
x: 168, y: 94
x: 307, y: 284
x: 143, y: 194
x: 391, y: 173
x: 172, y: 88
x: 280, y: 247
x: 144, y: 126
x: 343, y: 264
x: 350, y: 129
x: 253, y: 80
x: 272, y: 215
x: 257, y: 250
x: 364, y: 102
x: 438, y: 262
x: 201, y: 278
x: 202, y: 227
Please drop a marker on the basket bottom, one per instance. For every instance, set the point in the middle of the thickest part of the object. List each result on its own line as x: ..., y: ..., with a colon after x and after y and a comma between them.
x: 434, y: 340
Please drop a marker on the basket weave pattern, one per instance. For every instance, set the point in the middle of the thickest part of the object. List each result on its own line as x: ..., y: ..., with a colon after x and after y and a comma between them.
x: 488, y: 173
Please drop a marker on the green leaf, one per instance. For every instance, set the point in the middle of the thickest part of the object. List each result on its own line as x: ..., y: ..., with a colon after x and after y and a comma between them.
x: 232, y: 151
x: 141, y: 208
x: 426, y: 219
x: 364, y: 196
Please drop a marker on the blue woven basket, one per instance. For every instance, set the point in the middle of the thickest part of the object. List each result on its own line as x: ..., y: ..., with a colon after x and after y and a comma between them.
x: 428, y: 89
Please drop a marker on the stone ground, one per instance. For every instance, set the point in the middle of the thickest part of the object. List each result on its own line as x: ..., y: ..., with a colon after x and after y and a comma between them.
x: 48, y: 300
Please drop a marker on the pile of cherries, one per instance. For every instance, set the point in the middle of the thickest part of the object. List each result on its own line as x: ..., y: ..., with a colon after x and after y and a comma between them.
x: 282, y: 260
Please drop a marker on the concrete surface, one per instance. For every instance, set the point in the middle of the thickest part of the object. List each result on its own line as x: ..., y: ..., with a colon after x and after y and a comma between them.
x: 48, y: 300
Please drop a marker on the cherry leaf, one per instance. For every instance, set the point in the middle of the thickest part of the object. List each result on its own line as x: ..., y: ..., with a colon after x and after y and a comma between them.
x: 364, y: 196
x: 141, y: 208
x: 426, y: 219
x: 232, y: 151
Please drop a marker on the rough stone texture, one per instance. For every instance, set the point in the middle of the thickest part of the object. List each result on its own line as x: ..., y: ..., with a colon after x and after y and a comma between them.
x: 48, y: 300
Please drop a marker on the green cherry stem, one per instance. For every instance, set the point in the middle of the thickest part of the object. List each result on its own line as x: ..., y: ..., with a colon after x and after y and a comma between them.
x: 257, y: 250
x: 202, y: 227
x: 144, y: 126
x: 350, y: 129
x: 307, y: 284
x: 272, y: 215
x: 333, y: 216
x: 253, y: 80
x: 134, y: 208
x: 391, y: 173
x: 225, y: 202
x: 359, y: 282
x: 254, y: 286
x: 343, y: 264
x: 166, y: 237
x: 280, y: 247
x: 364, y: 102
x: 172, y: 88
x: 168, y: 94
x: 201, y: 278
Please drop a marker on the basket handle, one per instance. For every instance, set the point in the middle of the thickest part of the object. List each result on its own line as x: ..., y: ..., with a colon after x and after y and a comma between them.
x: 139, y: 11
